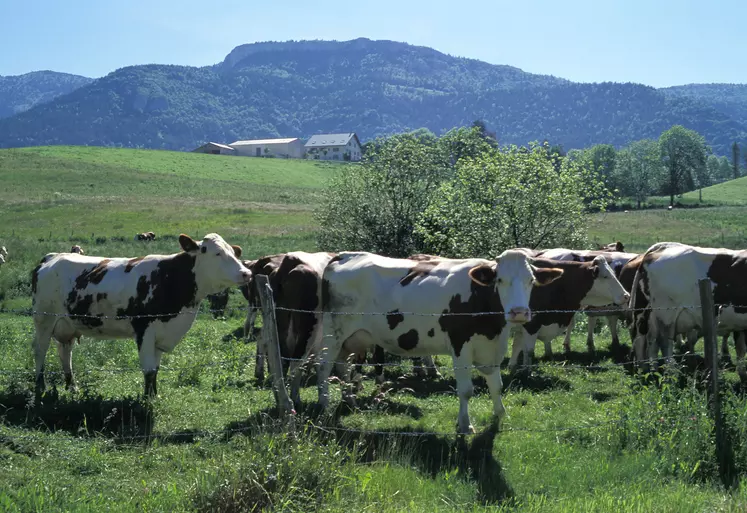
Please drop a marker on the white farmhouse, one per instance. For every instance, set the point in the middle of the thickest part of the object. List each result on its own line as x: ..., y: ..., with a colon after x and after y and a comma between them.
x: 334, y: 147
x: 287, y: 148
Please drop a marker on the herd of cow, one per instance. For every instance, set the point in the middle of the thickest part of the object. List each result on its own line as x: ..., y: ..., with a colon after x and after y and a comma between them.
x: 334, y: 308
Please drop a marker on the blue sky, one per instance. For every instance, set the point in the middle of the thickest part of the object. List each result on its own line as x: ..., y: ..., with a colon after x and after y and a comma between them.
x: 655, y: 42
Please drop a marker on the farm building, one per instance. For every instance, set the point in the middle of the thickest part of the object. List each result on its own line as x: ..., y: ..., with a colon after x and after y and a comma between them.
x: 288, y: 148
x: 215, y: 149
x: 334, y: 147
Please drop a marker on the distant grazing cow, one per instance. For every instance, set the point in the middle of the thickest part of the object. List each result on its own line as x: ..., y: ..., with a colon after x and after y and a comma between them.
x: 218, y: 303
x: 3, y: 251
x: 153, y: 299
x: 145, y: 236
x: 581, y: 284
x: 667, y: 279
x: 616, y: 260
x: 77, y: 249
x: 613, y: 246
x: 2, y: 259
x: 497, y: 291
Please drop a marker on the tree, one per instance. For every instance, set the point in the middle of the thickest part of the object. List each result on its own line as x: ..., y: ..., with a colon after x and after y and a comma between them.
x: 735, y: 159
x: 683, y: 153
x: 486, y: 134
x: 374, y: 206
x: 602, y: 159
x: 463, y: 142
x: 506, y: 199
x: 725, y: 170
x: 638, y: 170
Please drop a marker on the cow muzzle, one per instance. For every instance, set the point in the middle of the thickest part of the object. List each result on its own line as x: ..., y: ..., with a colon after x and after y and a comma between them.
x: 519, y: 315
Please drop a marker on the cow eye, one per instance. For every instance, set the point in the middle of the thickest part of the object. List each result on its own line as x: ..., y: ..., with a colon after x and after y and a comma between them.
x: 203, y: 249
x: 217, y: 254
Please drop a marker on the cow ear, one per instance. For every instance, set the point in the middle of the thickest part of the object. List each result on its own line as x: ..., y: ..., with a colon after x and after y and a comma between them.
x: 187, y: 243
x: 545, y: 276
x: 237, y: 250
x: 619, y: 246
x: 482, y: 275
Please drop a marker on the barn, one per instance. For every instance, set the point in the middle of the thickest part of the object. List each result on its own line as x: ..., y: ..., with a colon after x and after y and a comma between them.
x: 214, y: 148
x: 287, y: 148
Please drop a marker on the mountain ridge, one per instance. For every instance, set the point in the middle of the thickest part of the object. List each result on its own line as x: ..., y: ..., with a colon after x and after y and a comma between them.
x: 298, y: 88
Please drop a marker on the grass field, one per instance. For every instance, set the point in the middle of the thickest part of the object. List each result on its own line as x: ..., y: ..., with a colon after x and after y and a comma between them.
x: 214, y: 441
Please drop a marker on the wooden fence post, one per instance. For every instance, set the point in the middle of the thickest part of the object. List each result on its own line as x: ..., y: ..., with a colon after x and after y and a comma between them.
x: 272, y: 344
x: 724, y: 451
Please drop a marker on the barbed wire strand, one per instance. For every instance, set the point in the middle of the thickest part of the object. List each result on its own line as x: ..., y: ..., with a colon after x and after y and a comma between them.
x: 246, y: 309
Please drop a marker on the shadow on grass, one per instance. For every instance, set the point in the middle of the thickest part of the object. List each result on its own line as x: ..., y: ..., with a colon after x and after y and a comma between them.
x: 430, y: 453
x: 127, y: 418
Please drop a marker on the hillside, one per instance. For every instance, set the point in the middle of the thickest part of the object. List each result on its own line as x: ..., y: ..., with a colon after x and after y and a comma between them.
x: 74, y: 192
x: 729, y: 99
x: 22, y: 92
x: 371, y: 87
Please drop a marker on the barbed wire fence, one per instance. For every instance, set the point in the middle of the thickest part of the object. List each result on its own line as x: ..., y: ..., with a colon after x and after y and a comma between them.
x: 272, y: 345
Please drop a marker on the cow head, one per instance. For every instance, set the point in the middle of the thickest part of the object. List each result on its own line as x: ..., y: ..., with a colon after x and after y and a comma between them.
x: 613, y: 247
x: 513, y: 278
x: 606, y: 288
x: 217, y: 265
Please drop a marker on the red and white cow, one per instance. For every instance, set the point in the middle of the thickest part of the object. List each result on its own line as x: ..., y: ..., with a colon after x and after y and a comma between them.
x: 582, y: 284
x: 77, y: 249
x: 667, y: 279
x: 617, y: 260
x: 462, y: 308
x: 153, y: 299
x: 265, y: 266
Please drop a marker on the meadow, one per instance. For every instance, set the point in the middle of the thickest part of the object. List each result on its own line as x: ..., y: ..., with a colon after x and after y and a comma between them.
x: 582, y: 434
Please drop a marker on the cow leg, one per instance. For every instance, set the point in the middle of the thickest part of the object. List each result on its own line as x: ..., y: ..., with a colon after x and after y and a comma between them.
x: 465, y: 389
x: 44, y: 327
x: 741, y: 347
x: 150, y: 361
x: 378, y: 360
x: 329, y: 351
x: 65, y: 351
x: 568, y: 332
x: 251, y: 315
x: 259, y: 359
x: 612, y: 323
x: 495, y: 386
x: 548, y: 350
x: 592, y: 323
x: 431, y: 369
x: 725, y: 347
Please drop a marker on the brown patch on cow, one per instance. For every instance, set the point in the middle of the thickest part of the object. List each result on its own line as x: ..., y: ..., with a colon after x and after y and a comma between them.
x: 729, y: 275
x: 172, y: 287
x: 423, y: 268
x: 93, y: 276
x: 461, y: 328
x: 80, y: 311
x: 393, y: 318
x: 564, y: 293
x: 132, y: 262
x: 35, y: 278
x: 409, y: 340
x: 295, y: 287
x: 431, y: 332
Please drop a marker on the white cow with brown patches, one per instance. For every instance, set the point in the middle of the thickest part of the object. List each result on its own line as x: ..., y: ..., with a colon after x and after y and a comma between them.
x: 458, y: 298
x: 153, y: 299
